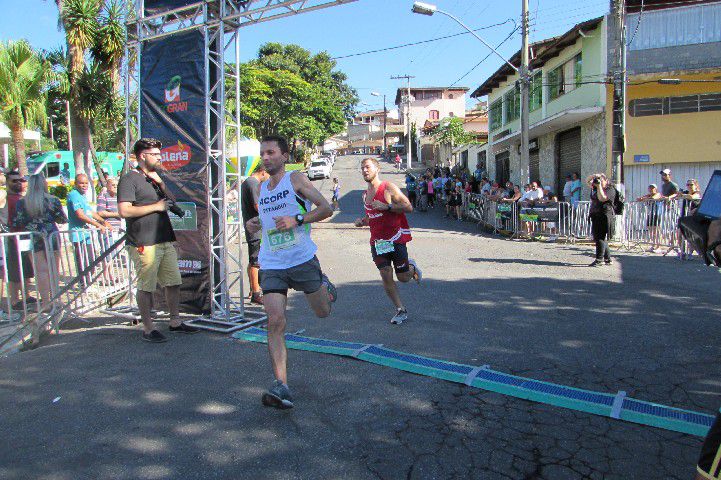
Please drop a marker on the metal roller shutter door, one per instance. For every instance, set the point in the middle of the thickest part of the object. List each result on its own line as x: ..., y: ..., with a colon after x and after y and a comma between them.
x: 502, y: 167
x: 569, y: 155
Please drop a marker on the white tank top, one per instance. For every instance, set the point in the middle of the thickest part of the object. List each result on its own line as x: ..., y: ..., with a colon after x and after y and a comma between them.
x: 280, y: 250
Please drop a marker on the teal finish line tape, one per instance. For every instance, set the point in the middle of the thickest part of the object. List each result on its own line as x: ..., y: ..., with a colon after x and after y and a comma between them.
x: 598, y: 403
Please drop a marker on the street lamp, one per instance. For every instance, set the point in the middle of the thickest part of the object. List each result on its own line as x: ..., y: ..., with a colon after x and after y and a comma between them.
x: 385, y: 117
x: 423, y: 8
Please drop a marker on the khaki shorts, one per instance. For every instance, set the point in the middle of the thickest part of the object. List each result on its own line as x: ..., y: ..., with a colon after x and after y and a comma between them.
x: 157, y: 264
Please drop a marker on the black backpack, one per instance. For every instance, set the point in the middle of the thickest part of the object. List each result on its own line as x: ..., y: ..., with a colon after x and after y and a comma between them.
x: 619, y: 202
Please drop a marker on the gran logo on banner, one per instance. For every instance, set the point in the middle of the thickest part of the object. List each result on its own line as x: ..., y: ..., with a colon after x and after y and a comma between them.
x: 172, y: 106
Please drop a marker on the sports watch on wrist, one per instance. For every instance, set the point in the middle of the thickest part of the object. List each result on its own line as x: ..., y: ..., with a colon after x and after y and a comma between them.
x: 390, y: 207
x: 299, y: 218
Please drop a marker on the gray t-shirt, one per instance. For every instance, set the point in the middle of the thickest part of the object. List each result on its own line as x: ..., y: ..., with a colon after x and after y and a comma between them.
x: 668, y: 189
x: 151, y: 229
x: 249, y: 191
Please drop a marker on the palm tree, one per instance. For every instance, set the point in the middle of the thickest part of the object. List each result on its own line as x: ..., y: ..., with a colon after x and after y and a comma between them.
x: 95, y: 39
x: 24, y: 79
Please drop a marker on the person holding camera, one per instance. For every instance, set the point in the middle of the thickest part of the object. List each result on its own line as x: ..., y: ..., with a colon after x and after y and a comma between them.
x: 143, y: 202
x: 603, y: 196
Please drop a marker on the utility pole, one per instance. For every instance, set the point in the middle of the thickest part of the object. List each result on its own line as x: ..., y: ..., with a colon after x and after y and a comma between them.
x: 408, y: 115
x: 525, y: 100
x: 618, y: 74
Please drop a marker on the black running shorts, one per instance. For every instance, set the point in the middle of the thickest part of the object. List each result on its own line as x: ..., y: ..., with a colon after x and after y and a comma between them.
x: 709, y: 462
x: 306, y: 277
x: 398, y: 258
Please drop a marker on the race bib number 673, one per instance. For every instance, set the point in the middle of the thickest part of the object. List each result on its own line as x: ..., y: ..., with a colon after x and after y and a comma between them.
x: 279, y: 240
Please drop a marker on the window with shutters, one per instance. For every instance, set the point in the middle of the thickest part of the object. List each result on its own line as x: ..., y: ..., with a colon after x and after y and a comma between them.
x: 433, y: 115
x: 512, y: 104
x: 495, y: 115
x: 555, y: 83
x: 645, y: 107
x: 536, y: 91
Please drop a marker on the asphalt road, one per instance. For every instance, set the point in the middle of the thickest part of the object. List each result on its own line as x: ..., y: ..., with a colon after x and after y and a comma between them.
x: 190, y: 408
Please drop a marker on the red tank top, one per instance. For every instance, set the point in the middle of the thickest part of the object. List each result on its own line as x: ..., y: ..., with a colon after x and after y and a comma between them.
x: 385, y: 225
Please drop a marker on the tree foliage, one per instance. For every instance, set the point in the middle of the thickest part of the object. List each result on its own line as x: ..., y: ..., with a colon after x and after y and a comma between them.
x: 24, y: 78
x: 89, y: 70
x: 291, y: 92
x: 450, y: 131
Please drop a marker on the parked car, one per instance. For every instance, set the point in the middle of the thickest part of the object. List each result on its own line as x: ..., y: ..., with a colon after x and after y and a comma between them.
x: 319, y: 169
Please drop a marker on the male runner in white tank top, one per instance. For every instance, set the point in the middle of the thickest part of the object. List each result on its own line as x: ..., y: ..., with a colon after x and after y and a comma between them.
x: 287, y: 254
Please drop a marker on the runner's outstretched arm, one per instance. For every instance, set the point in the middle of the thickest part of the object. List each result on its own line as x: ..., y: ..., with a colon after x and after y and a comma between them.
x: 302, y: 186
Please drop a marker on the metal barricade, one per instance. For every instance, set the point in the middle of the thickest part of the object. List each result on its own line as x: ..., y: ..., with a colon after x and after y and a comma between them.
x: 652, y: 223
x: 574, y: 222
x: 108, y: 280
x: 539, y: 219
x: 27, y: 284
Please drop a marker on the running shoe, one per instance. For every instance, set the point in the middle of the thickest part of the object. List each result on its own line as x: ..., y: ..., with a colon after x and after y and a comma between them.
x: 154, y: 337
x: 400, y: 316
x: 417, y: 273
x: 278, y: 396
x: 332, y: 292
x: 183, y: 328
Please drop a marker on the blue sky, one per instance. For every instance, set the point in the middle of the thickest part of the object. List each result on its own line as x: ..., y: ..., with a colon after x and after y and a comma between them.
x: 367, y: 25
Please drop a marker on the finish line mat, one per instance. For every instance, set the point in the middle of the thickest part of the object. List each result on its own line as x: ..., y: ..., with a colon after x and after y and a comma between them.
x: 617, y: 405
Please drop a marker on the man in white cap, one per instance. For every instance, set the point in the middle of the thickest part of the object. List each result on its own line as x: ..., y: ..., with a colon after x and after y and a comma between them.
x: 669, y: 188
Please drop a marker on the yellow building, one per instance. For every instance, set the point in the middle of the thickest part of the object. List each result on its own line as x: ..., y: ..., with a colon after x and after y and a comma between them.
x: 675, y: 126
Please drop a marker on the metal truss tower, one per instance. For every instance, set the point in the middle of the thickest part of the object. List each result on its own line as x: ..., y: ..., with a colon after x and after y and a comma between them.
x: 220, y: 21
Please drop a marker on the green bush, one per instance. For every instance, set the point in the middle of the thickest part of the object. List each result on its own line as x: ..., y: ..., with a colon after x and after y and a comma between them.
x: 60, y: 191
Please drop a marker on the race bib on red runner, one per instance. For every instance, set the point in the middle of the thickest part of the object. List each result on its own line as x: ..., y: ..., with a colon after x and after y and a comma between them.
x: 384, y: 246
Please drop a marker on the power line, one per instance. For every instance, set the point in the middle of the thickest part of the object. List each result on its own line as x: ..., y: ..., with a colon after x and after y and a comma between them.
x: 635, y: 31
x: 421, y: 42
x: 484, y: 58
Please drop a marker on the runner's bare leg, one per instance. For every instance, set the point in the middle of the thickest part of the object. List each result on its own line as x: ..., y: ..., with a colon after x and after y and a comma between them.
x: 275, y: 304
x: 390, y: 286
x: 319, y: 302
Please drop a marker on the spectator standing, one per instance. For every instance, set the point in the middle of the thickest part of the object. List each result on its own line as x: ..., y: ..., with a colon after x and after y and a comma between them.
x: 80, y: 217
x: 65, y: 174
x: 150, y: 238
x: 40, y: 212
x: 431, y: 191
x: 249, y: 192
x: 108, y: 210
x: 485, y: 186
x: 601, y: 214
x: 108, y: 204
x: 655, y: 206
x: 567, y: 188
x: 18, y: 263
x: 669, y: 188
x: 691, y: 199
x: 575, y: 189
x: 411, y: 189
x: 398, y: 162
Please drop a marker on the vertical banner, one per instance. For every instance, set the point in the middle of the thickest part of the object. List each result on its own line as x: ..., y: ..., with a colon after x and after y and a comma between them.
x: 172, y: 109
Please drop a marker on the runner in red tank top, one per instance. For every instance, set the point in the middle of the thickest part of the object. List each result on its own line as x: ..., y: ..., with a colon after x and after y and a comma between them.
x: 385, y: 213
